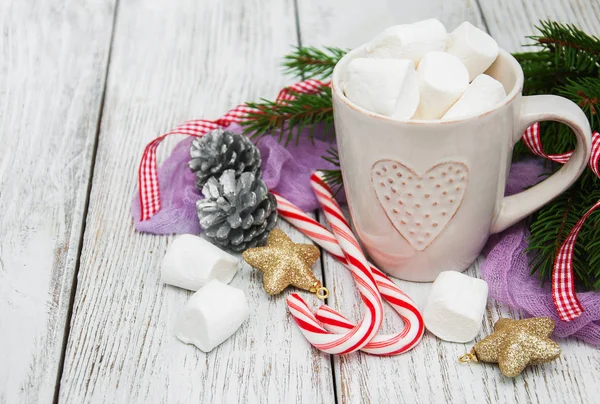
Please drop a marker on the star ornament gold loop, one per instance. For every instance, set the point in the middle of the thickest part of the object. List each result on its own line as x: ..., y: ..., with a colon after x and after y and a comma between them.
x: 514, y: 344
x: 285, y: 263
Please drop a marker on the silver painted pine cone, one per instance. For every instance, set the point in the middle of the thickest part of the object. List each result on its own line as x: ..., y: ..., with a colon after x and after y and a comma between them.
x: 221, y: 150
x: 237, y: 212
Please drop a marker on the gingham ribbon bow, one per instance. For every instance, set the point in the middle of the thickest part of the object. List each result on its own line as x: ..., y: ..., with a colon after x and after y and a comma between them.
x: 563, y: 288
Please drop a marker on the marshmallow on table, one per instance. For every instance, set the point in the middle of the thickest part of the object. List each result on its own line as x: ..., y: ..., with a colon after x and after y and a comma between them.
x: 191, y: 261
x: 442, y: 79
x: 481, y: 95
x: 455, y: 306
x: 475, y: 48
x: 384, y: 86
x: 409, y: 41
x: 213, y: 314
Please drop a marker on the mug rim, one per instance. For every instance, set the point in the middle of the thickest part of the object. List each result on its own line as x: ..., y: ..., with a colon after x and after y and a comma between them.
x: 337, y: 92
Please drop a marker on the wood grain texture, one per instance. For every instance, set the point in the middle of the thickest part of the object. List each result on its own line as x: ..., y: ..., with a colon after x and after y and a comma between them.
x: 510, y: 21
x: 431, y: 373
x: 53, y: 58
x: 172, y: 61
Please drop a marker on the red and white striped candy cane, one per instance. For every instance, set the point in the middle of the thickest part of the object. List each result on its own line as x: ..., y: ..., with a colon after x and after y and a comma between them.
x: 393, y: 344
x: 355, y: 337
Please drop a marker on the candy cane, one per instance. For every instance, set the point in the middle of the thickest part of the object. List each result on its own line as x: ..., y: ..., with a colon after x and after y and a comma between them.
x: 393, y: 344
x: 357, y: 336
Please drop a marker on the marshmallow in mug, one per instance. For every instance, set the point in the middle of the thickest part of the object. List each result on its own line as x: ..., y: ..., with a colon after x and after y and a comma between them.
x: 191, y: 261
x: 455, y: 306
x: 384, y: 86
x: 442, y: 79
x: 213, y: 314
x: 409, y: 41
x: 483, y: 94
x: 474, y: 47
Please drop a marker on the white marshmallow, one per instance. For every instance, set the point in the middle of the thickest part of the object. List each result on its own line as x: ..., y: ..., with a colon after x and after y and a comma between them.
x: 483, y: 94
x: 442, y: 80
x: 384, y: 86
x: 474, y: 47
x: 191, y: 261
x: 213, y: 314
x: 409, y: 41
x: 455, y: 306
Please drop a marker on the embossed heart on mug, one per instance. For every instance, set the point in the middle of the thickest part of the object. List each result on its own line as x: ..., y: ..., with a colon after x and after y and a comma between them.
x: 419, y: 206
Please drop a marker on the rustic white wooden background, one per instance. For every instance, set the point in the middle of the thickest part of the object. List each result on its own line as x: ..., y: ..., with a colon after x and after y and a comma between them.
x: 84, y: 85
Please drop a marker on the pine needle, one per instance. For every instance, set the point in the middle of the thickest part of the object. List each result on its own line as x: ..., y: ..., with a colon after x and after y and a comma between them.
x: 566, y: 63
x: 571, y: 47
x: 287, y: 120
x: 308, y: 62
x: 333, y: 177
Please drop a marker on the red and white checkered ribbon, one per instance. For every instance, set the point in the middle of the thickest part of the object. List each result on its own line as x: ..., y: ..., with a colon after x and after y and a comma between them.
x: 357, y: 336
x: 563, y: 285
x: 563, y: 289
x: 386, y: 345
x: 148, y: 172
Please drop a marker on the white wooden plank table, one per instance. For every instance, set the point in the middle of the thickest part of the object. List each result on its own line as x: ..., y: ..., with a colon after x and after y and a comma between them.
x: 53, y: 62
x: 83, y: 315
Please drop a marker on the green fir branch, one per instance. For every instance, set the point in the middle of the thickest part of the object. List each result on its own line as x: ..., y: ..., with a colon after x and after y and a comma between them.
x: 333, y: 177
x: 572, y: 48
x: 551, y: 224
x: 567, y: 64
x: 585, y: 92
x: 288, y: 120
x: 566, y: 53
x: 542, y: 75
x: 308, y: 62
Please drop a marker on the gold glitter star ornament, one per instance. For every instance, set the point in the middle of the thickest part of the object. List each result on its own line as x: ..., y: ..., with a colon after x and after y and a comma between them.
x: 284, y: 263
x: 514, y: 344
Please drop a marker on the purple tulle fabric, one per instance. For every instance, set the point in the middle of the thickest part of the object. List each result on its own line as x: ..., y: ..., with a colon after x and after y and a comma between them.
x: 506, y: 271
x: 286, y: 170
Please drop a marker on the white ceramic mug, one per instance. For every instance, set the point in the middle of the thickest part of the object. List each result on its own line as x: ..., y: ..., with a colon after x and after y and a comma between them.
x: 424, y: 196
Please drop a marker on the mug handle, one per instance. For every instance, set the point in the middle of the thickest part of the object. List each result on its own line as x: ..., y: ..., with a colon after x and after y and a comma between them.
x: 546, y: 108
